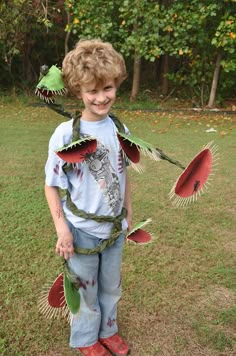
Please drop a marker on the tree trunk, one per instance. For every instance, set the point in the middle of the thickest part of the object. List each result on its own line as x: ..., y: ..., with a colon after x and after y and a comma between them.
x: 164, y: 71
x: 66, y: 43
x: 136, y: 76
x: 215, y: 79
x: 27, y: 66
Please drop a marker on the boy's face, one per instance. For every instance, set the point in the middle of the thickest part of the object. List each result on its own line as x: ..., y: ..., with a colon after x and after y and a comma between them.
x: 98, y: 100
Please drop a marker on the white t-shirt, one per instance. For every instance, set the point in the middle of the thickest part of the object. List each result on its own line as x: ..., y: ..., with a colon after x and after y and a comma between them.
x: 97, y: 185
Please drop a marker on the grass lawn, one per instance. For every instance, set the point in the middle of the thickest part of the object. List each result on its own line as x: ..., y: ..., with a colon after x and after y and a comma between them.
x: 178, y: 292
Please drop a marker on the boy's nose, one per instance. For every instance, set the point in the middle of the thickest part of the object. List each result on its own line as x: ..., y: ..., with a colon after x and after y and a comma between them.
x: 101, y: 96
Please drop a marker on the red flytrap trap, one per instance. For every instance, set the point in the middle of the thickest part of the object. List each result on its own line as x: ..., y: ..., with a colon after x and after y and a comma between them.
x: 196, y: 177
x: 77, y: 151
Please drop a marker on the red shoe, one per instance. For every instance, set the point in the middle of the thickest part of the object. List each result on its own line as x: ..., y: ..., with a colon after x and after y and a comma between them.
x: 116, y: 345
x: 94, y: 350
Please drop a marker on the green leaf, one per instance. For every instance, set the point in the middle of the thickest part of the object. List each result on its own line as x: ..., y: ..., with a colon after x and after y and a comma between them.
x: 72, y: 295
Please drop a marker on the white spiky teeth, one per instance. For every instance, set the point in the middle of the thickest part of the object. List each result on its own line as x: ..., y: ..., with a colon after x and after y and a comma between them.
x: 179, y: 201
x: 53, y: 92
x: 50, y: 312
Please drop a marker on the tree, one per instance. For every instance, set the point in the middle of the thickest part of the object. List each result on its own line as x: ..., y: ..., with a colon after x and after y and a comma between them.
x: 201, y: 35
x: 93, y: 19
x: 139, y: 31
x: 12, y: 25
x: 23, y: 27
x: 225, y: 43
x: 185, y: 36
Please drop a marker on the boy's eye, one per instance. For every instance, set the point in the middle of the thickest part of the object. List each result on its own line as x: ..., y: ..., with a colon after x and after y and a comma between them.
x: 109, y: 87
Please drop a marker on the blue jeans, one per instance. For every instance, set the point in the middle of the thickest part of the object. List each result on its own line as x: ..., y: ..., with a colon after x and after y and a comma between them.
x: 100, y: 291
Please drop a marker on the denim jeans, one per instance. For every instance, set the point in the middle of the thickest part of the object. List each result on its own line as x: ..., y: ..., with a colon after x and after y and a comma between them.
x: 100, y: 291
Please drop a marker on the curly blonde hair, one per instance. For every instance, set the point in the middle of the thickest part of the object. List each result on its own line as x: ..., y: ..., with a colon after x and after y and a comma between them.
x: 92, y: 61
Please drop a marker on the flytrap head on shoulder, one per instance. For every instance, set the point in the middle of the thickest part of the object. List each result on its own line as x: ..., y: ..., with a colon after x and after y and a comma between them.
x: 133, y: 147
x: 77, y: 151
x: 50, y: 83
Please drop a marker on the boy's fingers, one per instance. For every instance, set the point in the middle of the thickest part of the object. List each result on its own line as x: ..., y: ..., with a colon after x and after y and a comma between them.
x: 67, y: 255
x: 65, y: 252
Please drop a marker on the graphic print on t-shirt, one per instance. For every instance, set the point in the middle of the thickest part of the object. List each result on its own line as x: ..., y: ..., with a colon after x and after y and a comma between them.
x: 100, y: 167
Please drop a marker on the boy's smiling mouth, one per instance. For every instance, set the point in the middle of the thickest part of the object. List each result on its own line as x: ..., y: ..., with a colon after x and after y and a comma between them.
x: 101, y: 105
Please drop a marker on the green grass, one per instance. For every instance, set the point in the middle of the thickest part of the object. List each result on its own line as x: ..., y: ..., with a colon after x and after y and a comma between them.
x: 178, y: 292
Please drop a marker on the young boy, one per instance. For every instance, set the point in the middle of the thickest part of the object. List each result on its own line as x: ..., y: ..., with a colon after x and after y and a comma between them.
x: 92, y: 71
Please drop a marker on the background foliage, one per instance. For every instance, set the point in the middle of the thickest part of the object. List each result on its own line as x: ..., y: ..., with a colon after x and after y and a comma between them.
x: 167, y: 44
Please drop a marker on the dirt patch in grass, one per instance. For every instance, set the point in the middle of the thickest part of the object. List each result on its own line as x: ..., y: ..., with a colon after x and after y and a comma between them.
x: 161, y: 334
x: 219, y: 297
x: 230, y: 246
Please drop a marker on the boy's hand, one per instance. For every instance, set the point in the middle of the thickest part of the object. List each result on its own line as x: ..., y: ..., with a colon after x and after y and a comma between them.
x: 64, y: 246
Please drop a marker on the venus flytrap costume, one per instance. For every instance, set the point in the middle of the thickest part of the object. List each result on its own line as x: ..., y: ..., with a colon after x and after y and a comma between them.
x: 87, y: 151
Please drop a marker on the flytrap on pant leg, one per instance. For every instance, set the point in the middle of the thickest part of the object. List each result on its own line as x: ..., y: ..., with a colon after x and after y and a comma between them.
x: 62, y: 298
x: 52, y: 302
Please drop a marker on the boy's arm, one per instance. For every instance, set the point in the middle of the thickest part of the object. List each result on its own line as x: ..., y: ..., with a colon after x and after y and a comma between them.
x: 128, y: 203
x: 64, y: 245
